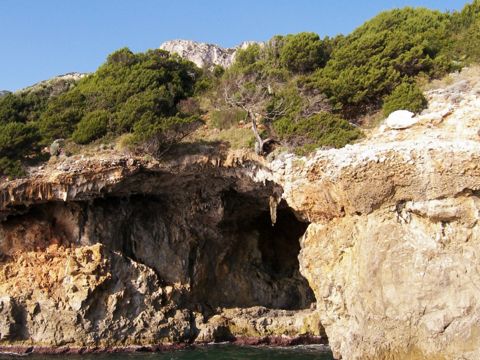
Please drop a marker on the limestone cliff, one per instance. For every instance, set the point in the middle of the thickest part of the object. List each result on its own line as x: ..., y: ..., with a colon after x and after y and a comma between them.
x: 393, y: 246
x: 381, y: 236
x: 203, y: 54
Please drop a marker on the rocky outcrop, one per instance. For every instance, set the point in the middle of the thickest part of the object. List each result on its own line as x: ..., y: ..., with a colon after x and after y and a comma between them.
x: 393, y: 245
x: 382, y: 236
x: 400, y: 119
x: 128, y: 252
x: 202, y: 54
x: 391, y: 249
x: 259, y: 325
x: 86, y: 295
x: 54, y: 86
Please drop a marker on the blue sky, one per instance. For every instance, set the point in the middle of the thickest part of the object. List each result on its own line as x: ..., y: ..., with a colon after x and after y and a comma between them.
x: 44, y: 38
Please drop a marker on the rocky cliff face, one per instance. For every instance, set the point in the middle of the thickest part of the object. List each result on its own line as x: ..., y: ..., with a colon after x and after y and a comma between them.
x: 381, y: 236
x: 127, y: 252
x: 393, y: 246
x: 203, y: 54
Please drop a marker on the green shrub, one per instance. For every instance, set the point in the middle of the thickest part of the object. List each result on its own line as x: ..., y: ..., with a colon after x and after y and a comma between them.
x: 11, y: 168
x: 467, y: 43
x: 248, y: 56
x: 126, y: 86
x: 288, y: 99
x: 154, y: 135
x: 17, y: 139
x: 61, y: 115
x: 406, y: 96
x: 92, y: 126
x: 283, y: 56
x: 157, y: 101
x: 218, y: 71
x: 302, y: 52
x: 11, y: 109
x: 204, y: 84
x: 22, y: 107
x: 324, y: 129
x: 123, y: 57
x: 462, y: 45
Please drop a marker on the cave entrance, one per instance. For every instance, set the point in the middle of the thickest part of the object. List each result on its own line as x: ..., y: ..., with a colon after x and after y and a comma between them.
x: 279, y: 243
x: 258, y: 261
x: 226, y: 250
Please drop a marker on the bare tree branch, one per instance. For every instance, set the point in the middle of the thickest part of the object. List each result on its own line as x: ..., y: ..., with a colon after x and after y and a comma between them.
x: 251, y: 98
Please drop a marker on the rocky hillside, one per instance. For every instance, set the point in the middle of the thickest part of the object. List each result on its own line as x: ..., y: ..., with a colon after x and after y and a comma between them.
x: 296, y: 91
x: 54, y: 86
x: 202, y: 54
x: 375, y: 245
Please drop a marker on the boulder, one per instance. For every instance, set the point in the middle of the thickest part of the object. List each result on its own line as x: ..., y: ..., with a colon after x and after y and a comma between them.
x: 401, y: 119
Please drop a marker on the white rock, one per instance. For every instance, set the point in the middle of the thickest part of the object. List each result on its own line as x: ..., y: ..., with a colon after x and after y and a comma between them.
x: 203, y: 54
x: 401, y: 119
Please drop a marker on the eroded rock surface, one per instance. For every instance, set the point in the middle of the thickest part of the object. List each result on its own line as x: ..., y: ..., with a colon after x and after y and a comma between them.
x: 259, y: 325
x: 393, y: 247
x: 128, y: 252
x: 86, y: 295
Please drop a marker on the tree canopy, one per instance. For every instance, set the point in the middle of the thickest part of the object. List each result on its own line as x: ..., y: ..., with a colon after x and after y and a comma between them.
x: 368, y: 64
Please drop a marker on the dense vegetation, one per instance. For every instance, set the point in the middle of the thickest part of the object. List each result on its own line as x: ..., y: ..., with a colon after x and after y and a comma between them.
x: 299, y: 79
x: 464, y: 31
x: 406, y: 96
x: 127, y: 89
x: 377, y: 57
x: 130, y: 93
x: 300, y: 91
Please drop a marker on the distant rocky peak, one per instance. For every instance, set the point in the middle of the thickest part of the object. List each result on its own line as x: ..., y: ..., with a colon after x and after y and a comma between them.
x: 56, y: 85
x: 204, y: 54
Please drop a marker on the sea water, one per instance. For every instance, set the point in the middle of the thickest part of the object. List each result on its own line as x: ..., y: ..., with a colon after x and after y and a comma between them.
x: 215, y: 352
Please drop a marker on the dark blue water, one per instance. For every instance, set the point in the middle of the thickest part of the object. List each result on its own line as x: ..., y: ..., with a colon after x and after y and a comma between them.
x: 217, y: 352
